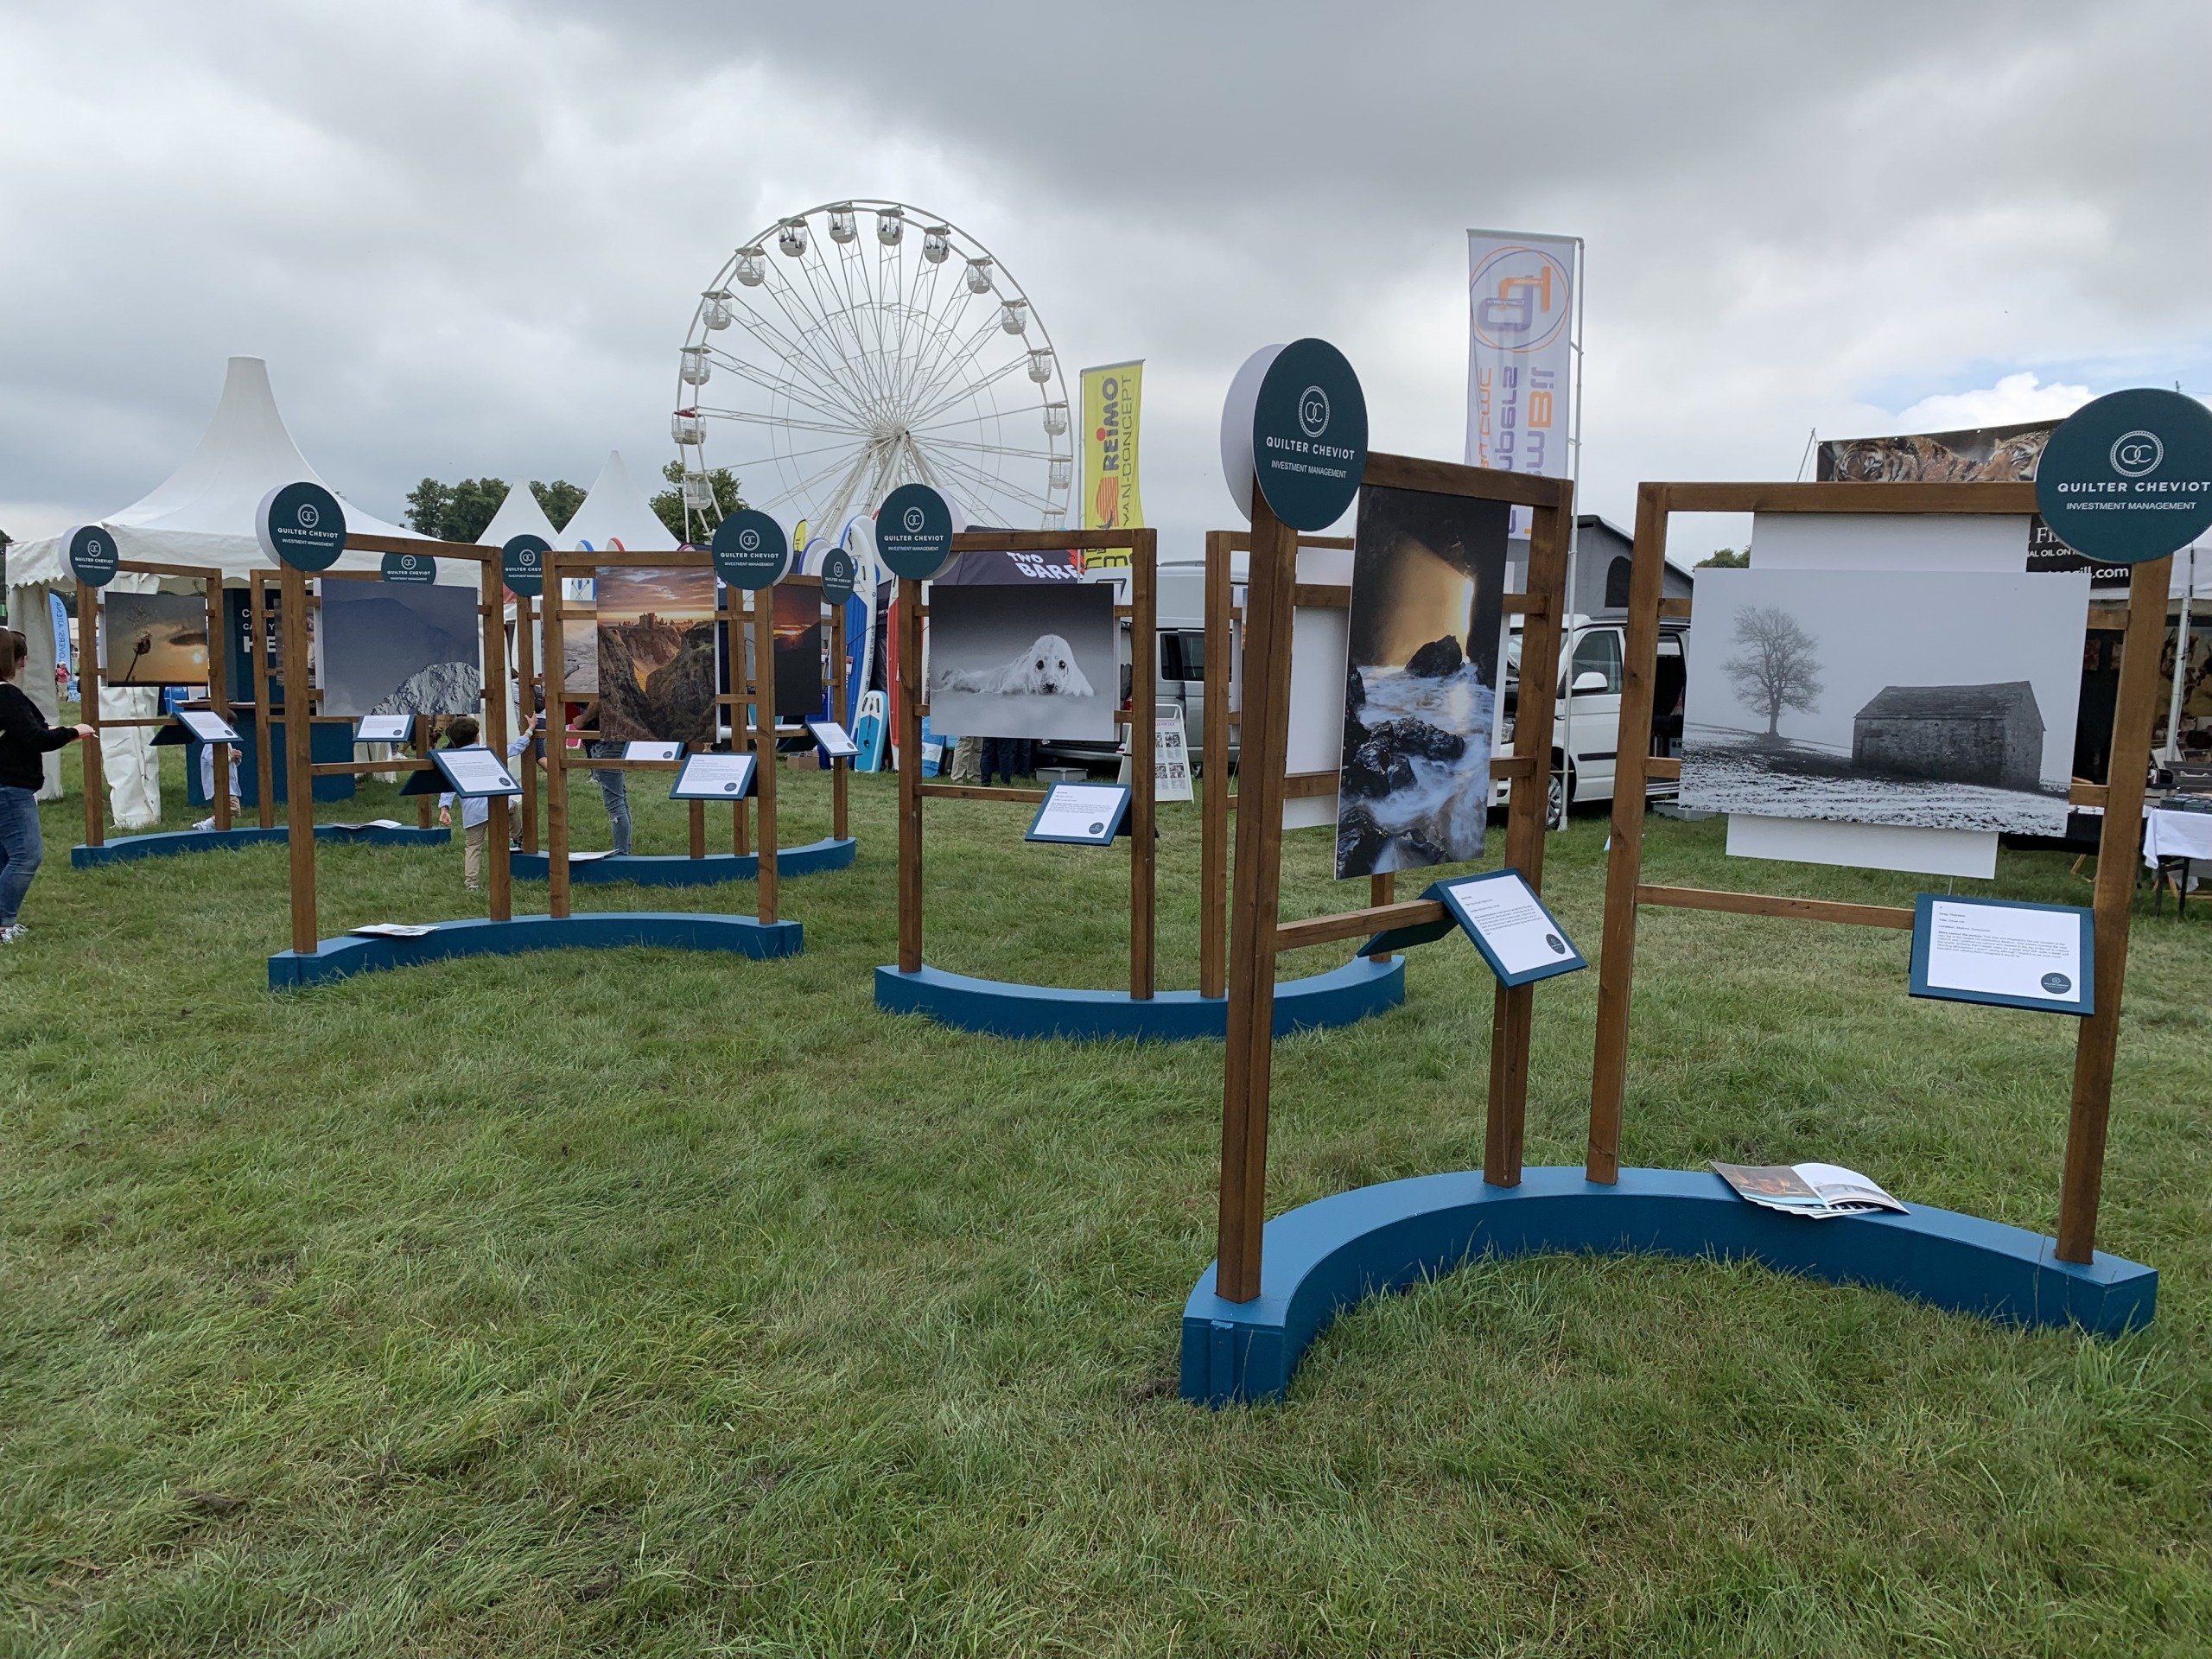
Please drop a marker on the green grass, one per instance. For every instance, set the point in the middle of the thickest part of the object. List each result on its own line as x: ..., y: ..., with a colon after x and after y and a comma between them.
x: 647, y: 1303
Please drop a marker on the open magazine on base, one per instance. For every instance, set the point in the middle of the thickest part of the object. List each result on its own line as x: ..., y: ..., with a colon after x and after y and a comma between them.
x: 1816, y: 1191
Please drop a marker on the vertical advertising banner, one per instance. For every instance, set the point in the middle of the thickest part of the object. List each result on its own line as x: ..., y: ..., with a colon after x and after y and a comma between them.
x: 1110, y: 501
x: 1520, y: 354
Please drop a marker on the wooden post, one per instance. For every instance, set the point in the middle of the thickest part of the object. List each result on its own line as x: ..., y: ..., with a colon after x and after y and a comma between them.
x: 423, y: 808
x: 1527, y: 816
x: 764, y: 745
x: 500, y: 820
x: 840, y: 771
x: 2118, y: 849
x: 1624, y: 858
x: 556, y: 744
x: 88, y: 712
x: 1144, y: 731
x: 218, y: 699
x: 1247, y: 1063
x: 526, y: 701
x: 298, y: 756
x: 910, y: 775
x: 698, y: 815
x: 264, y: 707
x: 1213, y: 822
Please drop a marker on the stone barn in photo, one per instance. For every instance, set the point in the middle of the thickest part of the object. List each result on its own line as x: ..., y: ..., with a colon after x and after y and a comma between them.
x: 1961, y: 734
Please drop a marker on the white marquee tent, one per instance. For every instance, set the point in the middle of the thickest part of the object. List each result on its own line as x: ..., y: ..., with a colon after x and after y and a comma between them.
x: 518, y: 515
x: 202, y: 515
x: 616, y: 511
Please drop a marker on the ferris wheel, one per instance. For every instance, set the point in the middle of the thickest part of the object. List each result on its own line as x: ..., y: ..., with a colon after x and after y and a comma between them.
x: 860, y: 346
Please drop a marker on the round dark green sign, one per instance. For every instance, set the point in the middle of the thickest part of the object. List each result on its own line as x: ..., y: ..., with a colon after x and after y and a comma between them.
x: 92, y: 555
x: 303, y: 525
x: 2129, y: 477
x: 750, y: 550
x: 522, y: 565
x: 1309, y: 435
x: 913, y: 531
x: 409, y: 567
x: 838, y: 569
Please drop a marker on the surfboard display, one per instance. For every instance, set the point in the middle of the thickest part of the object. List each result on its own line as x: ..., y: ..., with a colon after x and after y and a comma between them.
x: 869, y: 732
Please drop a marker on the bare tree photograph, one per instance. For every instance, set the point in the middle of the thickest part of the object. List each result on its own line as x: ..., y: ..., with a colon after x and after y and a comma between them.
x: 1934, y: 700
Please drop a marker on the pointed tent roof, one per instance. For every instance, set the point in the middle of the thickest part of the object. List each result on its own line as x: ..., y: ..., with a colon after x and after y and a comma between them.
x: 519, y: 515
x: 203, y: 513
x: 616, y: 510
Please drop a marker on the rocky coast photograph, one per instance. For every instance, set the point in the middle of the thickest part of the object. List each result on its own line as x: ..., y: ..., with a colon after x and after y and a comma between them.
x: 1421, y: 690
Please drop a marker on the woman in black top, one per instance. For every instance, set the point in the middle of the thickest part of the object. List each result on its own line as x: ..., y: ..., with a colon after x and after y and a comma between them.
x: 25, y: 740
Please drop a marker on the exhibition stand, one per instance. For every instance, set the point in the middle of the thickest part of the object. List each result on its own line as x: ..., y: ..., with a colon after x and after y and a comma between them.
x: 1249, y: 1316
x: 697, y: 867
x: 1276, y: 1288
x: 752, y: 714
x: 1143, y: 1013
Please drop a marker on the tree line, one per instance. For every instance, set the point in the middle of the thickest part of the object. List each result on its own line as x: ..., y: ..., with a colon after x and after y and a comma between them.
x: 460, y: 511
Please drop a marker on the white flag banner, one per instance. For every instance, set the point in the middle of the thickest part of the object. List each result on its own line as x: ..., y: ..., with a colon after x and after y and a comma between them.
x: 1520, y: 354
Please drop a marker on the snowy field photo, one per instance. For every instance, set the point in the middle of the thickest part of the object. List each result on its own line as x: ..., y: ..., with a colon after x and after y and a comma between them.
x: 1931, y: 700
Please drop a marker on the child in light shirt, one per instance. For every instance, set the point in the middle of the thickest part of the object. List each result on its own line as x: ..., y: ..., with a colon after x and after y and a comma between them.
x: 475, y: 810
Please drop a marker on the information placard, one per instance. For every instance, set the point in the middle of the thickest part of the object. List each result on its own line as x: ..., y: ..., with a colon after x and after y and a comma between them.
x: 1083, y: 815
x: 713, y: 778
x: 836, y: 742
x: 474, y: 772
x: 207, y: 726
x: 651, y: 750
x: 2012, y: 954
x: 1521, y: 940
x: 385, y: 728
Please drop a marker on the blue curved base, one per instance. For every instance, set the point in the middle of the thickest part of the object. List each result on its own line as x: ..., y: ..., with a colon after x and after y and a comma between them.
x: 167, y: 844
x: 1342, y: 996
x: 476, y: 936
x: 1324, y: 1257
x: 656, y: 870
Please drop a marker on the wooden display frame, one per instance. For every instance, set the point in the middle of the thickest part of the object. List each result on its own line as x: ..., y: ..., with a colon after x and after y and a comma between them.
x: 1142, y: 613
x: 1256, y: 934
x: 750, y: 705
x: 92, y: 676
x: 2121, y: 799
x: 301, y: 768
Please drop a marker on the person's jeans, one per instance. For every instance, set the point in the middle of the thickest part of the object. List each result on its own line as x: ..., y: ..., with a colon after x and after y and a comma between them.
x: 21, y: 848
x: 615, y: 792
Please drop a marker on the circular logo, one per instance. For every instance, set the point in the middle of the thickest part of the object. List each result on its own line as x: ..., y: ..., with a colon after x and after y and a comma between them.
x: 522, y: 565
x: 2057, y: 984
x: 913, y: 531
x: 2128, y: 478
x: 729, y: 788
x: 838, y: 570
x: 409, y: 567
x: 303, y: 525
x: 2137, y: 454
x: 1518, y: 298
x: 92, y: 555
x: 1558, y: 945
x: 750, y: 550
x: 1309, y: 435
x: 1099, y: 828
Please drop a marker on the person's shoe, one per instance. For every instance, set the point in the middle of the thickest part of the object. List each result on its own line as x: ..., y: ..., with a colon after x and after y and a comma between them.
x: 205, y: 824
x: 11, y: 934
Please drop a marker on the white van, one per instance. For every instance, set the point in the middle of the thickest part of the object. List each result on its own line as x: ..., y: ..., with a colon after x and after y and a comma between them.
x: 1588, y: 718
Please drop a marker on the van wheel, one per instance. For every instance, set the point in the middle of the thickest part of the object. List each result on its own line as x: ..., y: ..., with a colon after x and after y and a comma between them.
x: 1559, y: 795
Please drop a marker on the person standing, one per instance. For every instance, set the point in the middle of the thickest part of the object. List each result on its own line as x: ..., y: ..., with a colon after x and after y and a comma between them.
x: 25, y: 741
x: 475, y: 810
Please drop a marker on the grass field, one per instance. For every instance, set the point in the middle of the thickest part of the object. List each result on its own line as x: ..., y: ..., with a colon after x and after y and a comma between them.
x: 645, y: 1303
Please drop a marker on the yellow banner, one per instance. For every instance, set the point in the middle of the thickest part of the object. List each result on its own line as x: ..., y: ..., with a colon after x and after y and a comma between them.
x: 1111, y: 397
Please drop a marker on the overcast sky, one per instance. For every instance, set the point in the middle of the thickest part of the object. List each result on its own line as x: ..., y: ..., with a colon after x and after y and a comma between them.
x: 469, y: 237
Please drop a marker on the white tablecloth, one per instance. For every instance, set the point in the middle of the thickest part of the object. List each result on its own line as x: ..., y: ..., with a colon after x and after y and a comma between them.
x: 2177, y: 835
